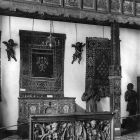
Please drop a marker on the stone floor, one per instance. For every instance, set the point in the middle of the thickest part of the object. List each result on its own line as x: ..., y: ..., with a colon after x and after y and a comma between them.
x: 130, y: 136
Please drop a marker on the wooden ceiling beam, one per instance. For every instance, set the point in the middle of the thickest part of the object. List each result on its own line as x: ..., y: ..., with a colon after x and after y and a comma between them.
x: 67, y: 14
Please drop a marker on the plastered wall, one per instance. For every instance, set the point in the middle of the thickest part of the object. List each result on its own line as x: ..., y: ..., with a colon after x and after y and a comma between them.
x: 74, y: 74
x: 130, y: 61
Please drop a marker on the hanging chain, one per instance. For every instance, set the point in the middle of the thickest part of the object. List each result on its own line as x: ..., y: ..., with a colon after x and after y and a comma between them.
x: 50, y: 27
x: 33, y: 25
x: 10, y: 27
x: 76, y: 30
x: 103, y: 31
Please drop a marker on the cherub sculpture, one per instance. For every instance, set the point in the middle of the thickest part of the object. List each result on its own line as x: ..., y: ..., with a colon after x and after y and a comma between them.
x: 10, y: 52
x: 78, y: 51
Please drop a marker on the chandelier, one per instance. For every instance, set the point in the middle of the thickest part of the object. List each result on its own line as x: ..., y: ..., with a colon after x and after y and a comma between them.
x: 50, y: 41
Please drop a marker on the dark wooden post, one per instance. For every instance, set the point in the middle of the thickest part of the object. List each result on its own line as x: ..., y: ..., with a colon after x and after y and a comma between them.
x: 0, y: 67
x: 115, y: 77
x: 138, y: 91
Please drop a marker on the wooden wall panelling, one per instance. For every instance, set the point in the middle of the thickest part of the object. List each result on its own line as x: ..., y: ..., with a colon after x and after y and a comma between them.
x: 103, y: 5
x: 89, y: 4
x: 41, y: 78
x: 128, y: 7
x: 102, y: 13
x: 116, y: 6
x: 41, y: 106
x: 38, y: 1
x: 53, y: 2
x: 138, y: 8
x: 72, y: 3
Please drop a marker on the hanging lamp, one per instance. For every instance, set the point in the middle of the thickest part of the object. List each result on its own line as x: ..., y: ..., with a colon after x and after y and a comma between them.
x: 50, y: 39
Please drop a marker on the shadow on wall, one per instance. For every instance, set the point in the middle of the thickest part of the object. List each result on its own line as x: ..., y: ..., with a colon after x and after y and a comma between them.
x: 79, y: 108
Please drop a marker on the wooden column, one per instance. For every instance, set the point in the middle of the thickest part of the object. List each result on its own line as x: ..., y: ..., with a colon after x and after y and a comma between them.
x: 115, y: 77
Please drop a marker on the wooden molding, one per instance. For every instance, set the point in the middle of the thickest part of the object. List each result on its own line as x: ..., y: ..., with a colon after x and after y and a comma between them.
x: 64, y: 13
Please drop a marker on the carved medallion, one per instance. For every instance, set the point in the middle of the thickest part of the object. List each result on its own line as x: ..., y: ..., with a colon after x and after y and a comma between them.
x: 116, y: 5
x: 66, y: 108
x: 52, y: 2
x: 89, y: 4
x: 33, y: 109
x: 138, y: 8
x: 71, y: 3
x: 128, y: 7
x: 42, y: 63
x: 31, y: 0
x: 102, y: 5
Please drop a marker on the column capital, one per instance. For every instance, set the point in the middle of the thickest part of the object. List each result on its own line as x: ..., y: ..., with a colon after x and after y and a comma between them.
x: 114, y: 70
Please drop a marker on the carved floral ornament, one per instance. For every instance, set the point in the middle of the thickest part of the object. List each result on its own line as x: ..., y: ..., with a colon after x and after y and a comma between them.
x: 78, y: 130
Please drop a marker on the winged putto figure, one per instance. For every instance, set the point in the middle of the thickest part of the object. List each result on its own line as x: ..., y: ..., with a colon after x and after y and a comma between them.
x: 10, y: 51
x: 78, y: 51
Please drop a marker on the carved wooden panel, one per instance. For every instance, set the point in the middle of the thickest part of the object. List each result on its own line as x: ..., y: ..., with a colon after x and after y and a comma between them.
x: 53, y: 2
x: 71, y: 127
x: 115, y: 89
x: 128, y: 7
x: 41, y: 67
x: 89, y: 4
x: 138, y: 8
x: 102, y: 5
x: 42, y: 106
x: 98, y: 61
x: 34, y: 106
x: 72, y: 3
x: 115, y: 5
x: 115, y: 77
x: 63, y: 13
x: 28, y: 0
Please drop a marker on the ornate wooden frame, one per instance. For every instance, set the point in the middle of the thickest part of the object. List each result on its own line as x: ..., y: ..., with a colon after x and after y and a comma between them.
x: 30, y: 41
